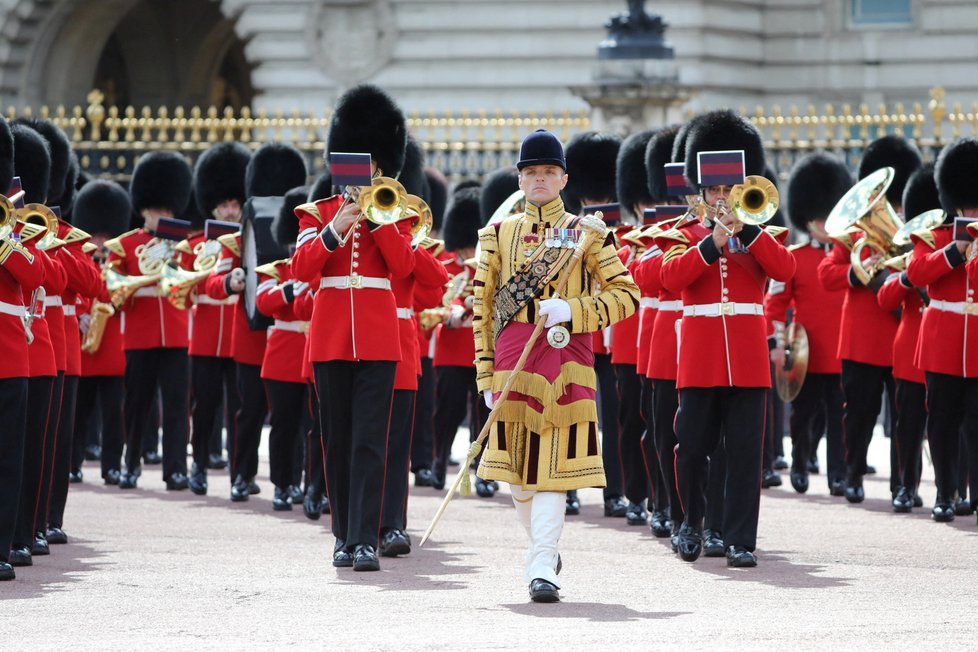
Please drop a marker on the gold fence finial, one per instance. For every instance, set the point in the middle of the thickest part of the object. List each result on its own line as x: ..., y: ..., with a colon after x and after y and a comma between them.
x: 937, y: 110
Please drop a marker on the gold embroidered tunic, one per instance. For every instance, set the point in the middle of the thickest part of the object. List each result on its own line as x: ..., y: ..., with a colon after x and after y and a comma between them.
x: 554, y: 447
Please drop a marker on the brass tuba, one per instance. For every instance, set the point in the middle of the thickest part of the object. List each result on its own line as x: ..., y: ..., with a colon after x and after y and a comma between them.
x: 865, y: 207
x: 100, y: 314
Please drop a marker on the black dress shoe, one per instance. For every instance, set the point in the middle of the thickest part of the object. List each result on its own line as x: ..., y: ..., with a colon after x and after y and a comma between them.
x: 40, y: 547
x: 674, y: 537
x: 740, y: 557
x: 20, y: 556
x: 112, y: 476
x: 177, y: 482
x: 127, y: 480
x: 813, y: 465
x: 326, y: 508
x: 7, y: 572
x: 239, y: 490
x: 55, y: 535
x: 342, y: 558
x: 423, y: 477
x: 942, y: 512
x: 689, y: 543
x: 712, y: 543
x: 837, y: 487
x: 198, y: 480
x: 780, y: 464
x: 393, y: 543
x: 152, y: 457
x: 636, y: 514
x: 312, y: 504
x: 902, y: 502
x: 870, y: 469
x: 295, y: 494
x: 365, y: 559
x: 485, y: 489
x: 573, y: 506
x: 854, y: 489
x: 770, y: 478
x: 660, y: 524
x: 93, y: 453
x: 216, y: 462
x: 799, y: 481
x: 438, y: 475
x: 543, y: 591
x: 74, y: 477
x: 253, y: 488
x: 917, y: 500
x: 962, y: 507
x: 281, y: 501
x: 453, y: 462
x: 615, y: 506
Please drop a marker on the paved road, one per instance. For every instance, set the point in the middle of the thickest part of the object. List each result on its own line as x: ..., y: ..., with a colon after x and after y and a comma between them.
x: 151, y: 569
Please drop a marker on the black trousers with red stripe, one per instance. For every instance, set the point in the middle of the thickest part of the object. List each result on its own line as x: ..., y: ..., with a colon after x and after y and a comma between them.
x: 214, y: 385
x: 952, y: 404
x: 62, y: 453
x: 818, y: 405
x: 105, y: 394
x: 52, y: 432
x: 147, y: 369
x: 355, y: 405
x: 910, y: 426
x: 398, y: 468
x: 657, y: 481
x: 315, y: 464
x: 631, y: 426
x: 455, y: 396
x: 608, y: 405
x: 735, y: 416
x: 665, y: 403
x: 424, y: 411
x: 287, y: 403
x: 13, y: 424
x: 39, y: 393
x: 862, y: 385
x: 249, y: 421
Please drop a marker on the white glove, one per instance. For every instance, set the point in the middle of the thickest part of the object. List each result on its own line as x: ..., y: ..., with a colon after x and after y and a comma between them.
x: 487, y: 395
x: 556, y: 311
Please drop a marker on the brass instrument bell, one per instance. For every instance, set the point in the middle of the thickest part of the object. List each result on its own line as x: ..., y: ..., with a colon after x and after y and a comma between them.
x: 384, y: 201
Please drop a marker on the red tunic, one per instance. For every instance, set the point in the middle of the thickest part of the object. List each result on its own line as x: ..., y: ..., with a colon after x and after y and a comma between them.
x: 867, y: 331
x: 624, y: 334
x: 302, y: 309
x: 211, y: 319
x: 646, y: 276
x: 247, y: 346
x: 351, y: 323
x: 898, y: 294
x: 455, y: 347
x: 728, y: 349
x: 422, y: 289
x: 43, y: 360
x: 21, y: 272
x: 84, y: 281
x: 948, y: 341
x: 285, y: 350
x: 818, y: 309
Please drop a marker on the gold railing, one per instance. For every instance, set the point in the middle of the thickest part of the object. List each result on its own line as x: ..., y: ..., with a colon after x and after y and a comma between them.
x: 470, y: 144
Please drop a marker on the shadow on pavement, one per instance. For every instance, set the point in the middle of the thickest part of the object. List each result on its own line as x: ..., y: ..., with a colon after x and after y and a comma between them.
x: 66, y: 565
x: 773, y: 569
x: 422, y: 570
x: 594, y: 612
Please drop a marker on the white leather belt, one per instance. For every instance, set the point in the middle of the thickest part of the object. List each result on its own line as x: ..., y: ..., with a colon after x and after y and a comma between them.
x: 405, y: 313
x: 146, y: 292
x: 207, y: 300
x: 12, y: 309
x: 50, y: 301
x: 294, y: 326
x: 957, y: 307
x: 648, y: 302
x: 669, y: 306
x: 69, y: 311
x: 725, y: 309
x: 355, y: 282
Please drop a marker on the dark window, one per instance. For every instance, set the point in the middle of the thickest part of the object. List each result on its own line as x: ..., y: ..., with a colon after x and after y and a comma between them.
x: 880, y: 12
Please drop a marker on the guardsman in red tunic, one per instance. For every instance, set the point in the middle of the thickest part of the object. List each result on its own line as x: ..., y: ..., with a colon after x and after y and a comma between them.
x: 723, y: 373
x: 352, y: 351
x: 947, y: 348
x: 154, y: 331
x: 102, y: 209
x: 816, y: 183
x: 454, y: 361
x: 867, y: 333
x: 21, y: 272
x: 591, y: 159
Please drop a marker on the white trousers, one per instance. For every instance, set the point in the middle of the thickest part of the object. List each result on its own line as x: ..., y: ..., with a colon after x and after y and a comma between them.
x: 542, y: 515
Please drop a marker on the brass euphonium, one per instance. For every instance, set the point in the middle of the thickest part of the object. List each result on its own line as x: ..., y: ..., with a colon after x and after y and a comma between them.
x: 865, y: 207
x: 100, y: 314
x: 925, y: 221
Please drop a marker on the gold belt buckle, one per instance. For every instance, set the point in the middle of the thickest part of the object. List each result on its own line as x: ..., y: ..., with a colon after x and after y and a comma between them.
x: 971, y: 308
x: 727, y: 309
x: 354, y: 281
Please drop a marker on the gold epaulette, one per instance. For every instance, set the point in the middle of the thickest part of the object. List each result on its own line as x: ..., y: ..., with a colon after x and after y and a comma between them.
x: 926, y: 236
x: 311, y: 209
x: 674, y: 234
x: 271, y: 269
x: 184, y: 247
x: 89, y: 248
x: 779, y: 233
x: 674, y: 251
x: 232, y: 242
x: 29, y: 231
x: 797, y: 246
x: 115, y: 244
x: 76, y: 235
x: 433, y: 246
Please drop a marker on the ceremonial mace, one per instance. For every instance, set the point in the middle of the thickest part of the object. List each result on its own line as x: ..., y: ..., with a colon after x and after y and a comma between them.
x: 594, y: 228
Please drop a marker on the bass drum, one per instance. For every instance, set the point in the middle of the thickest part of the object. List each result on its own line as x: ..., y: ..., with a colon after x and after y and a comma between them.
x: 258, y: 248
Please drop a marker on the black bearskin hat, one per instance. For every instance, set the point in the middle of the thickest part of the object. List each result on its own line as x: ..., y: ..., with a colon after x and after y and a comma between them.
x: 631, y: 177
x: 273, y: 170
x: 815, y: 185
x: 6, y: 156
x: 412, y: 174
x: 591, y: 160
x: 102, y: 207
x: 462, y: 220
x: 498, y: 187
x: 891, y: 151
x: 161, y: 180
x: 60, y: 149
x: 658, y: 152
x: 366, y: 120
x: 321, y: 188
x: 67, y: 199
x: 220, y: 175
x: 437, y: 196
x: 920, y: 194
x: 192, y: 212
x: 682, y: 136
x: 955, y: 175
x: 32, y: 163
x: 723, y: 130
x: 285, y: 225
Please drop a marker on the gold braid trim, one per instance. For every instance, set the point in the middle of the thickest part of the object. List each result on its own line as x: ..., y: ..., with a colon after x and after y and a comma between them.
x: 536, y: 386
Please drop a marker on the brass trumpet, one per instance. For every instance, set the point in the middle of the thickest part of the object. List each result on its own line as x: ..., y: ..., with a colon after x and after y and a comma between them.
x: 755, y: 201
x: 384, y: 201
x: 422, y: 220
x: 8, y: 217
x: 39, y: 221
